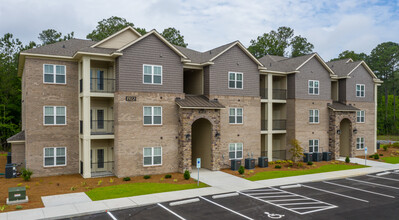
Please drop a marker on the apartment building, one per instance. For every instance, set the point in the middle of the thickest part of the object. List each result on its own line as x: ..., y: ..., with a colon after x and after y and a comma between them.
x: 135, y: 105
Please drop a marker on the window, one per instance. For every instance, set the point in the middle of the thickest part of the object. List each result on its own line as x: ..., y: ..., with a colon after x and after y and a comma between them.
x: 314, y: 116
x: 54, y: 115
x: 359, y: 143
x: 313, y: 145
x: 152, y: 156
x: 54, y: 74
x: 313, y: 87
x: 235, y: 151
x: 54, y: 156
x: 360, y: 116
x: 359, y: 90
x: 235, y: 116
x: 152, y: 74
x: 152, y: 115
x: 235, y: 80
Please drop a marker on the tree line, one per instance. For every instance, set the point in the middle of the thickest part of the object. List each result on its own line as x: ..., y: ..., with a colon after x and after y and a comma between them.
x: 383, y: 60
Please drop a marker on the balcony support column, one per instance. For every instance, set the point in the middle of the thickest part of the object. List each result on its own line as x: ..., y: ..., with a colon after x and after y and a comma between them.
x: 86, y: 142
x: 269, y: 117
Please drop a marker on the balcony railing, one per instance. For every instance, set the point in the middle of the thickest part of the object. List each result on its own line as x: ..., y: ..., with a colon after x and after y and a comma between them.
x: 263, y: 93
x: 105, y: 85
x: 276, y: 154
x: 279, y: 124
x: 264, y: 125
x: 81, y: 127
x: 102, y: 166
x: 102, y: 127
x: 280, y: 94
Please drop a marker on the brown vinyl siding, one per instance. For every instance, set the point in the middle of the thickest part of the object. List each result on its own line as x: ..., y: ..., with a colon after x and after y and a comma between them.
x: 152, y: 51
x: 233, y: 60
x: 360, y: 76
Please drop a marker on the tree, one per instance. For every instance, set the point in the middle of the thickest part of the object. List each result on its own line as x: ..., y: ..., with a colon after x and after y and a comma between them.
x: 296, y: 150
x: 277, y: 43
x: 142, y: 31
x: 351, y: 54
x: 51, y: 36
x: 174, y: 37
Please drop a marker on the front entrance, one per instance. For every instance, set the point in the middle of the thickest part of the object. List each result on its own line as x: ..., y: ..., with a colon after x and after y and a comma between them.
x: 201, y: 142
x: 344, y: 138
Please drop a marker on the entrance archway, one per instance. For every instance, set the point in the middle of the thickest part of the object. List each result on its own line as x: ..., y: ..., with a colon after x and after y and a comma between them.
x: 345, y: 138
x: 201, y: 142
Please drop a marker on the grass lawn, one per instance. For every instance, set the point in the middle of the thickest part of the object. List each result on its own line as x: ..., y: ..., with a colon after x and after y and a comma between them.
x: 3, y: 154
x: 136, y: 189
x: 388, y: 137
x: 286, y: 173
x: 393, y: 160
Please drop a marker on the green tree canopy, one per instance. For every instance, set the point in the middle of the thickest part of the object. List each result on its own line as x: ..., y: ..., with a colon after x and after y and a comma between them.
x: 174, y: 36
x: 300, y: 46
x: 351, y: 54
x: 51, y: 36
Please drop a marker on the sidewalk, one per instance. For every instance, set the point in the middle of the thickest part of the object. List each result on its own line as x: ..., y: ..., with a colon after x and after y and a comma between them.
x: 220, y: 182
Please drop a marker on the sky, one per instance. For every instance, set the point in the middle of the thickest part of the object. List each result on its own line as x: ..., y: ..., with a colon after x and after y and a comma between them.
x: 332, y: 26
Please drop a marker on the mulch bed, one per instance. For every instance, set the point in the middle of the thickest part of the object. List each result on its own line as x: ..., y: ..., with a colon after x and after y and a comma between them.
x: 390, y: 152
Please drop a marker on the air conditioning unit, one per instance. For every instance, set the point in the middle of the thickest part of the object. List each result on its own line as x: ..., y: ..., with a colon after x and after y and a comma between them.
x: 327, y: 156
x: 11, y: 171
x: 263, y: 162
x: 249, y: 163
x: 307, y: 157
x: 317, y: 157
x: 235, y: 164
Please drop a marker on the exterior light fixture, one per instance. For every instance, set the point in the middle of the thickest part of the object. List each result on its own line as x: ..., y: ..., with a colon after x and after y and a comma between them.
x: 355, y: 131
x: 338, y: 132
x: 188, y: 136
x: 217, y: 134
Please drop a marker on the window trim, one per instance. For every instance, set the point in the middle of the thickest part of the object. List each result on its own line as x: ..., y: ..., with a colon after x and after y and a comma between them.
x: 54, y: 74
x: 318, y: 87
x: 152, y: 74
x: 360, y: 117
x: 55, y: 115
x: 228, y: 80
x: 361, y: 143
x: 235, y: 151
x: 152, y: 157
x: 236, y: 115
x: 318, y: 116
x: 364, y: 90
x: 313, y: 145
x: 152, y: 116
x: 55, y: 157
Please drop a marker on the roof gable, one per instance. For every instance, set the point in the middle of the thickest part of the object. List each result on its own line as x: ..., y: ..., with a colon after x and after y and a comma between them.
x: 318, y: 58
x: 237, y: 43
x: 119, y: 39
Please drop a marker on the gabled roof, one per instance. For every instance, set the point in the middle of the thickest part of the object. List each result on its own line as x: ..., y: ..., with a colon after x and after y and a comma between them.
x: 64, y: 48
x: 340, y: 107
x: 115, y: 35
x: 19, y: 137
x: 345, y: 67
x: 198, y: 102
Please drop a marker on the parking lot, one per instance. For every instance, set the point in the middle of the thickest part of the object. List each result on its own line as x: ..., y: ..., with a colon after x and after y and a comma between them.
x: 374, y: 196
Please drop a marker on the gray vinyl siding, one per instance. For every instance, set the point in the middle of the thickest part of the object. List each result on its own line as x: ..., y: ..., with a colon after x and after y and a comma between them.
x: 342, y: 90
x: 313, y: 70
x: 234, y: 60
x: 151, y: 50
x: 360, y: 76
x: 291, y: 86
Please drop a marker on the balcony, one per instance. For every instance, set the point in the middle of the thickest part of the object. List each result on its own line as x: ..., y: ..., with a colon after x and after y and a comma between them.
x: 264, y: 125
x: 263, y: 93
x: 100, y: 85
x: 279, y: 124
x: 102, y: 127
x: 280, y: 94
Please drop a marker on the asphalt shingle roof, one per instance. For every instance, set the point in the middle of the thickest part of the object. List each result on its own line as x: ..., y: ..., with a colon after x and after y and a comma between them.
x: 283, y: 64
x: 202, y: 57
x: 17, y: 137
x: 337, y: 106
x: 342, y: 67
x: 64, y: 48
x: 198, y: 101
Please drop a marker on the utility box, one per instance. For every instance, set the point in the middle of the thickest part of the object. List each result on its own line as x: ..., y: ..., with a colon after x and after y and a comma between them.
x: 263, y: 162
x: 249, y: 163
x: 11, y: 171
x: 235, y: 164
x: 327, y: 156
x: 378, y: 145
x: 317, y: 156
x: 307, y: 157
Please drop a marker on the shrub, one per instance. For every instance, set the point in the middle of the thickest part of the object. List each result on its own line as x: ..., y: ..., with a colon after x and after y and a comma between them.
x: 99, y: 182
x: 2, y: 208
x: 376, y: 156
x: 83, y: 183
x: 385, y: 147
x: 396, y: 144
x: 126, y: 179
x: 278, y: 161
x: 299, y: 164
x: 18, y: 207
x: 310, y: 163
x: 19, y: 184
x: 162, y: 179
x: 381, y: 154
x: 175, y: 180
x: 26, y: 173
x: 347, y: 160
x: 271, y: 163
x: 241, y: 170
x: 111, y: 180
x: 73, y: 188
x: 278, y: 166
x: 186, y: 175
x: 27, y: 186
x: 147, y: 176
x: 371, y: 156
x: 296, y: 150
x: 168, y: 176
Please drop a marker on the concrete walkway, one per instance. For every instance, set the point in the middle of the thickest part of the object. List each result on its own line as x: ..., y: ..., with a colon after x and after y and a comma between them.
x: 220, y: 182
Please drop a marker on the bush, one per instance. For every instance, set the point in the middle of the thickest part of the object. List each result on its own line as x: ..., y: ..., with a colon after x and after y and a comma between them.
x: 278, y: 161
x: 26, y: 173
x: 168, y: 176
x: 241, y: 170
x: 126, y: 179
x: 99, y: 182
x: 376, y: 156
x: 396, y: 144
x: 277, y: 166
x: 18, y: 207
x: 186, y: 175
x: 347, y: 160
x: 310, y: 163
x: 385, y: 147
x: 147, y: 177
x: 299, y: 164
x: 381, y: 154
x: 371, y: 156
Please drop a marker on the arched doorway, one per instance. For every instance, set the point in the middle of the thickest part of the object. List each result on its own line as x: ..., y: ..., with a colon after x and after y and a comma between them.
x: 344, y: 138
x: 201, y: 142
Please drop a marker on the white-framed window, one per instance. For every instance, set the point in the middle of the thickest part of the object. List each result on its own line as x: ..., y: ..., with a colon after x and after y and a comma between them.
x: 313, y: 145
x: 314, y: 116
x: 54, y: 156
x: 235, y: 80
x: 313, y: 87
x: 235, y: 151
x: 235, y: 116
x: 54, y: 74
x: 152, y: 156
x: 152, y: 115
x: 152, y: 74
x: 54, y: 115
x: 359, y: 143
x: 359, y: 90
x: 360, y: 116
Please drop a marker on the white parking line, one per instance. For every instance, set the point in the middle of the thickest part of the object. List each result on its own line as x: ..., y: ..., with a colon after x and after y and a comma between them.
x: 265, y: 193
x: 338, y: 194
x: 265, y: 197
x: 244, y: 216
x: 385, y: 178
x: 171, y: 212
x: 301, y: 203
x: 311, y: 207
x: 111, y: 215
x: 370, y: 183
x: 363, y: 190
x: 259, y: 190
